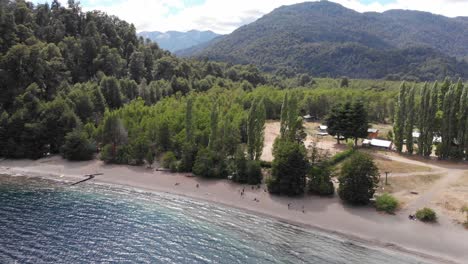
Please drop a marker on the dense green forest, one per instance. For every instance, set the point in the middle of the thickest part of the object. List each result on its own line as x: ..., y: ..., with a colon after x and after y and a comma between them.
x: 63, y: 69
x: 328, y: 40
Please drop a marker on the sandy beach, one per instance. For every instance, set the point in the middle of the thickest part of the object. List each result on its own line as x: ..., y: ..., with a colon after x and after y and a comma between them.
x: 438, y: 242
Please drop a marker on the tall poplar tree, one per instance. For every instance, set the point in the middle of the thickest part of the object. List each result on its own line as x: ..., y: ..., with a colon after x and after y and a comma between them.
x: 189, y: 121
x: 255, y: 129
x: 423, y: 109
x: 462, y: 123
x: 284, y: 115
x: 447, y: 124
x: 431, y: 128
x: 409, y: 123
x: 214, y: 127
x: 400, y: 117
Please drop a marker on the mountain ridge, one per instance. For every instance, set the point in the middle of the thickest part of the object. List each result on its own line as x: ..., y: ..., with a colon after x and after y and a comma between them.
x: 307, y: 36
x: 178, y: 40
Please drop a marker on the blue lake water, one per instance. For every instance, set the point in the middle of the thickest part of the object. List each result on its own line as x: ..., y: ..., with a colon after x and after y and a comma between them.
x: 42, y: 221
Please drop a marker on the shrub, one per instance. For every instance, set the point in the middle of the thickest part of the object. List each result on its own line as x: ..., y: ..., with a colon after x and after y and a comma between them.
x: 246, y: 171
x: 265, y: 164
x: 465, y: 210
x: 320, y: 182
x: 387, y: 203
x: 210, y: 165
x: 106, y: 154
x: 77, y: 147
x: 426, y: 215
x: 188, y: 156
x: 117, y: 155
x: 339, y: 157
x: 138, y: 150
x: 254, y: 172
x: 358, y: 180
x: 289, y: 168
x: 169, y: 161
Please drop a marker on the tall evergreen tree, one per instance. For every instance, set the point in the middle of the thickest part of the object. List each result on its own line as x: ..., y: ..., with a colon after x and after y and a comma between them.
x: 335, y: 122
x: 357, y: 122
x: 409, y: 123
x: 400, y: 117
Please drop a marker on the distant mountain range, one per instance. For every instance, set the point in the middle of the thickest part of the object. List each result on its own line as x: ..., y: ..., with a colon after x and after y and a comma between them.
x: 175, y: 40
x: 327, y: 39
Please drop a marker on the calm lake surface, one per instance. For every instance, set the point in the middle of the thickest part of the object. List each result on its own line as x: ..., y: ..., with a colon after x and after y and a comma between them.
x: 43, y: 221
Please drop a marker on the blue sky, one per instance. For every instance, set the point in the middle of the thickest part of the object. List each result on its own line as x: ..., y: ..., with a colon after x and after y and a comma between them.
x: 224, y: 16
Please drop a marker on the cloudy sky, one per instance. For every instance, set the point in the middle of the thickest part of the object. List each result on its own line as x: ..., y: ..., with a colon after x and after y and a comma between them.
x: 224, y: 16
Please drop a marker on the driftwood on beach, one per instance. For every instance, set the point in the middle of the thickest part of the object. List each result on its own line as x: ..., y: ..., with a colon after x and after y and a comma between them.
x: 90, y: 176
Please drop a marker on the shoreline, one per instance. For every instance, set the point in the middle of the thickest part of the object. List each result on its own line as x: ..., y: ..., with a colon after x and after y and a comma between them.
x: 433, y: 243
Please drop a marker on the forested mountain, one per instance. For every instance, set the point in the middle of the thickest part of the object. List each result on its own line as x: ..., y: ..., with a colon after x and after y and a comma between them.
x: 174, y: 41
x: 327, y: 39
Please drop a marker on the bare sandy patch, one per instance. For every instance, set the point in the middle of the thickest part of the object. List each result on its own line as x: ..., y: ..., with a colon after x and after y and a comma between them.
x: 452, y: 199
x: 407, y: 189
x: 385, y: 164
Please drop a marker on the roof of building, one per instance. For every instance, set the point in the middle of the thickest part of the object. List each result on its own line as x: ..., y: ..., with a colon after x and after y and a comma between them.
x: 372, y: 130
x: 416, y: 134
x: 323, y: 127
x: 377, y: 143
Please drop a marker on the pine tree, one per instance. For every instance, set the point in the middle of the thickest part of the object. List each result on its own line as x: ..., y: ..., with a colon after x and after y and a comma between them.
x: 400, y: 117
x: 358, y: 124
x: 409, y: 123
x: 335, y: 122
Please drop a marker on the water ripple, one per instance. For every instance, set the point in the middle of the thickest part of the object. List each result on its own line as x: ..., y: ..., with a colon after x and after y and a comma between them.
x: 49, y: 222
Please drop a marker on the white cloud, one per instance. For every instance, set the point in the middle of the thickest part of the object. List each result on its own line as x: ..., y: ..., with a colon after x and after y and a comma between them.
x: 224, y: 16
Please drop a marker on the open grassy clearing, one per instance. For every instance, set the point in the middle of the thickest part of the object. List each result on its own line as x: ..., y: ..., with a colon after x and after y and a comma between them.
x: 407, y: 189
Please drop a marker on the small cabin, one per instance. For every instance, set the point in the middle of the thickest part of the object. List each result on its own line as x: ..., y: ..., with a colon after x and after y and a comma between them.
x: 416, y: 136
x: 372, y: 133
x: 322, y: 130
x: 308, y: 118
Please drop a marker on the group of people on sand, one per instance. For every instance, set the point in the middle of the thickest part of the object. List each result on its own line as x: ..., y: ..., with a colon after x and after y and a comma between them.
x: 303, y: 209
